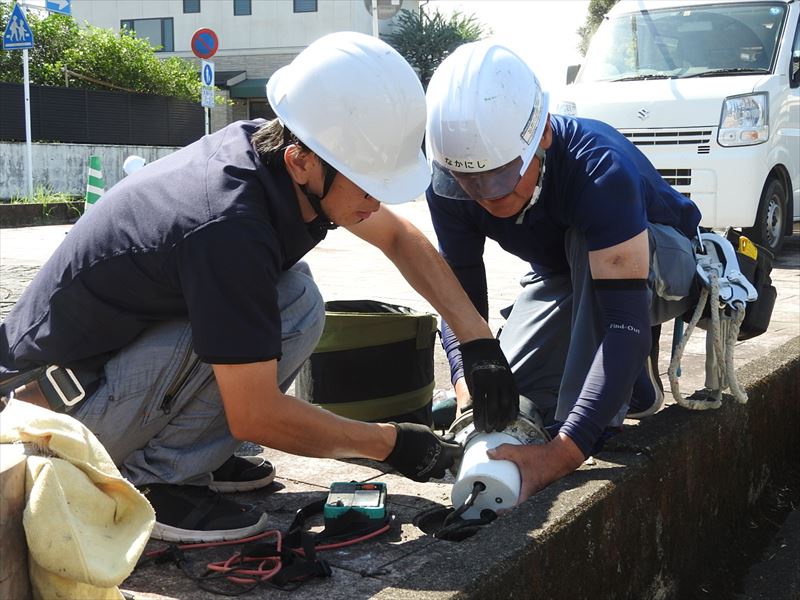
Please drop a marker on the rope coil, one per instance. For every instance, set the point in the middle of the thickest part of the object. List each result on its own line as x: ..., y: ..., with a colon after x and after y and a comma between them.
x: 723, y: 342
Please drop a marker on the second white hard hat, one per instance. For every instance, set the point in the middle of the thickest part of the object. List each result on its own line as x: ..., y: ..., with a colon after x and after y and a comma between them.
x: 486, y: 110
x: 359, y: 106
x: 133, y: 163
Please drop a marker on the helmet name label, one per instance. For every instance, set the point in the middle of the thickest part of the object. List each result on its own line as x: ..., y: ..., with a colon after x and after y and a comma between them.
x: 470, y: 165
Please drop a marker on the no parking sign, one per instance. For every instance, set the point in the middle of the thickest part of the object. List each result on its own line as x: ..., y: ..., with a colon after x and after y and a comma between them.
x: 205, y: 43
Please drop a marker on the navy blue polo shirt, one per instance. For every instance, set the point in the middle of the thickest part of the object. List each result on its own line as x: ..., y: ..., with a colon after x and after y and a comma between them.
x: 203, y: 234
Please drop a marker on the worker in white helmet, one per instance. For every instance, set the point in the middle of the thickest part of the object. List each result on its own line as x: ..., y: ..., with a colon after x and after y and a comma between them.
x: 183, y: 314
x: 608, y: 242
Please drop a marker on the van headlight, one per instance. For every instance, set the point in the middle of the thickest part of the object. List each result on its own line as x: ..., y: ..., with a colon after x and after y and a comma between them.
x: 744, y: 120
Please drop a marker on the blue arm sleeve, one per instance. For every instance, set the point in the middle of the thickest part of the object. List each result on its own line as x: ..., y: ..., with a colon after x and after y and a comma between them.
x: 625, y: 306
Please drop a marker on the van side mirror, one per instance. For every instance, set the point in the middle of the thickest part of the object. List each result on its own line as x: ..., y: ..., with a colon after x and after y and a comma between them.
x: 794, y: 80
x: 572, y: 73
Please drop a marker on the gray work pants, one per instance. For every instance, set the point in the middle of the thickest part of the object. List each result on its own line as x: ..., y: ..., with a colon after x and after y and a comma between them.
x: 555, y: 326
x: 153, y: 439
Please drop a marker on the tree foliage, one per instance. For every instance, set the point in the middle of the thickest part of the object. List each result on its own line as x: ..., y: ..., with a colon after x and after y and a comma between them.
x: 119, y: 59
x: 426, y: 40
x: 598, y: 9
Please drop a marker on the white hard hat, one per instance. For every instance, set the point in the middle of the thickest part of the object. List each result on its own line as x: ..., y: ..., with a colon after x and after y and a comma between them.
x: 360, y: 107
x: 133, y: 163
x: 486, y: 116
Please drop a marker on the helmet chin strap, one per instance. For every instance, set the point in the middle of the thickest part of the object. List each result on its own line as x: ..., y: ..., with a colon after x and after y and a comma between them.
x: 540, y: 154
x: 323, y: 220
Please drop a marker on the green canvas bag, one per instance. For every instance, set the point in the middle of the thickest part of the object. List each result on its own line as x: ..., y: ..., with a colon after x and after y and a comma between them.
x: 374, y: 362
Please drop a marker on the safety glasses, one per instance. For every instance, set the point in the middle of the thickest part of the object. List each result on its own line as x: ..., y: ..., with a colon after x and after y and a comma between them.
x: 486, y: 185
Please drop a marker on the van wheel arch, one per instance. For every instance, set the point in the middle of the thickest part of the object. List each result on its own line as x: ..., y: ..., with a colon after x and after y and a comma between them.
x: 789, y: 203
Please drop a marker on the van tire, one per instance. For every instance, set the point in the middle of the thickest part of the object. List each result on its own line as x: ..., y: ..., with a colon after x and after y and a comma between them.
x: 770, y: 225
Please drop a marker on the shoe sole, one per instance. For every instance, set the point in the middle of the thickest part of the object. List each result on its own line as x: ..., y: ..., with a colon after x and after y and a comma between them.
x: 658, y: 402
x: 168, y: 533
x: 231, y: 487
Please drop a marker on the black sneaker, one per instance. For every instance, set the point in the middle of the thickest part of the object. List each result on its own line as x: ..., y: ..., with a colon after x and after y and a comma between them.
x: 189, y: 513
x: 648, y: 391
x: 242, y: 474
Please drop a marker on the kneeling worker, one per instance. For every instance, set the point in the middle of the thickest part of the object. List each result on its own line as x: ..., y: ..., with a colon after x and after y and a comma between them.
x: 607, y: 240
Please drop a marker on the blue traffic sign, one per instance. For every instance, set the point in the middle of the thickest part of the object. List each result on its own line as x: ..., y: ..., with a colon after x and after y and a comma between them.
x: 208, y: 73
x: 18, y: 34
x: 59, y: 6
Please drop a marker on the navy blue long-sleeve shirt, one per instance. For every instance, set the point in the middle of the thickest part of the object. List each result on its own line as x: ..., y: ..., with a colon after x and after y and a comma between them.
x: 595, y: 181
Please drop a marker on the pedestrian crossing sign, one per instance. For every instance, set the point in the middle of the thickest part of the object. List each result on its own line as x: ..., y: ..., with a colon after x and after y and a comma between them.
x: 18, y: 34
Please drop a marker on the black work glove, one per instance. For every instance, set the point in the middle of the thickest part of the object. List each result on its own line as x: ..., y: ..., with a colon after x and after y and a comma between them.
x: 420, y: 454
x: 495, y: 399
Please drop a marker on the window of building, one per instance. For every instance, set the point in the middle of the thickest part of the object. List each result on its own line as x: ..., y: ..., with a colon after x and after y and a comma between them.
x: 242, y: 7
x: 301, y: 6
x: 159, y: 32
x: 191, y: 6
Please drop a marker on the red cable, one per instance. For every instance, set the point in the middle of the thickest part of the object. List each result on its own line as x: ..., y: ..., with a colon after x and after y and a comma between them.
x: 349, y: 542
x: 198, y: 545
x: 260, y: 573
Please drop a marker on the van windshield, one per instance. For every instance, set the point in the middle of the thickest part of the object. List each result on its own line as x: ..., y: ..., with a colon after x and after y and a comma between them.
x: 697, y: 41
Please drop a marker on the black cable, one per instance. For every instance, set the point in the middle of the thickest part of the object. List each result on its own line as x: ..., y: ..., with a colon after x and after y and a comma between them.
x: 462, y: 529
x: 477, y: 488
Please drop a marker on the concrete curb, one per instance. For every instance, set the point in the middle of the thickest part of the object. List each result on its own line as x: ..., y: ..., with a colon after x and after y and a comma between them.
x: 641, y: 522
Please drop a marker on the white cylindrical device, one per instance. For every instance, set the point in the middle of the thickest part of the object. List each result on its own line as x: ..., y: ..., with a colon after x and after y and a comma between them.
x: 501, y: 478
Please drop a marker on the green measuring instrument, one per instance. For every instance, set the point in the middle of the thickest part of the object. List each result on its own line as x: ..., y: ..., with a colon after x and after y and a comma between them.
x: 367, y: 499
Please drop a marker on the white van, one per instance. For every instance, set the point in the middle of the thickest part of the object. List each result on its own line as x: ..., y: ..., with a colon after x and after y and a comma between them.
x: 710, y: 92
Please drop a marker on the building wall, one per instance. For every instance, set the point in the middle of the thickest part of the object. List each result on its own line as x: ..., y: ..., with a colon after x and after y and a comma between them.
x: 263, y: 64
x: 62, y: 168
x: 259, y: 43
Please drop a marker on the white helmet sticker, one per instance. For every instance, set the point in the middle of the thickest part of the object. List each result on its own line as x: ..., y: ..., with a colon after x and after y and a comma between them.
x: 533, y: 121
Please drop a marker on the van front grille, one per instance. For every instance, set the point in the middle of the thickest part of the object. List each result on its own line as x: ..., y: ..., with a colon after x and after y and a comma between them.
x: 668, y: 137
x: 676, y: 176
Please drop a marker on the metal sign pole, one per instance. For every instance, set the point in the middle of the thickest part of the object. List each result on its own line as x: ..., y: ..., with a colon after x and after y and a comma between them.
x: 28, y: 146
x: 207, y: 91
x: 375, y: 31
x: 204, y: 45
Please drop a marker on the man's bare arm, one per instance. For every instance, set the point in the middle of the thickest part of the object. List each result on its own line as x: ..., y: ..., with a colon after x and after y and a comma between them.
x: 424, y: 268
x: 259, y: 412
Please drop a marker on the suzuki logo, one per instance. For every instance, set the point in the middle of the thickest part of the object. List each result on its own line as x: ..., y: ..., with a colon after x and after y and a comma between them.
x: 643, y: 114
